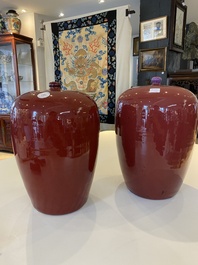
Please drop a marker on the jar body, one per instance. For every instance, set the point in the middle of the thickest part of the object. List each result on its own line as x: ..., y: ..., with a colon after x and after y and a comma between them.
x: 12, y: 22
x: 55, y: 141
x: 155, y: 133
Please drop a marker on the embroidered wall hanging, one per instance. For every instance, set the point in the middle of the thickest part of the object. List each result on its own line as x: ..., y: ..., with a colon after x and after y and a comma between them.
x: 85, y: 58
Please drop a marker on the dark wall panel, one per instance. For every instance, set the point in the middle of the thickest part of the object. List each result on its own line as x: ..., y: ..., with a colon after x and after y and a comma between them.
x: 151, y: 9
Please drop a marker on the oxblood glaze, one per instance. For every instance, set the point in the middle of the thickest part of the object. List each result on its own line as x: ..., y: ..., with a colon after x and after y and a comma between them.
x: 155, y: 133
x: 55, y: 141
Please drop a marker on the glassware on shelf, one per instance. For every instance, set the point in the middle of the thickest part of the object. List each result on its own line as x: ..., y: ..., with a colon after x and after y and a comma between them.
x: 5, y: 58
x: 6, y: 101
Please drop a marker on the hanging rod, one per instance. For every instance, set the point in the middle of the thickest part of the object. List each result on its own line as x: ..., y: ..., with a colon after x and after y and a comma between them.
x: 42, y: 25
x: 129, y: 12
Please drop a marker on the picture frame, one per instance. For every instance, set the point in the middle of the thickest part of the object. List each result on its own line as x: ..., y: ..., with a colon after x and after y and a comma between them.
x: 178, y: 26
x: 153, y: 60
x: 136, y: 41
x: 153, y: 29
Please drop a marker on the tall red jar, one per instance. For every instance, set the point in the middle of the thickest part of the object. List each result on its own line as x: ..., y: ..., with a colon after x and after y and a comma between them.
x: 55, y: 140
x: 155, y: 133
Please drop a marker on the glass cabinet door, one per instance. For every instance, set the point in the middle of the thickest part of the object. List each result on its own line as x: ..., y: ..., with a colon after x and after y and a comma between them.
x: 17, y: 76
x: 7, y: 79
x: 25, y: 70
x: 17, y: 72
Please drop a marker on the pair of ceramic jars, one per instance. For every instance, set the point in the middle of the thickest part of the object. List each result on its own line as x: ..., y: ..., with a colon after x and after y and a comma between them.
x: 55, y: 141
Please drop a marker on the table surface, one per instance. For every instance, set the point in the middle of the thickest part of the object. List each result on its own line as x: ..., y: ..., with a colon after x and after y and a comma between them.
x: 113, y: 227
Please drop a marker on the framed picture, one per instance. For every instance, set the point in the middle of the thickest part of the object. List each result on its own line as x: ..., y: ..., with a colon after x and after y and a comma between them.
x: 153, y: 60
x: 153, y: 29
x: 136, y: 46
x: 178, y: 25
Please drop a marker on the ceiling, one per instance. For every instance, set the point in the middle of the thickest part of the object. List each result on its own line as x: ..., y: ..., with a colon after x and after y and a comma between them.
x: 77, y: 7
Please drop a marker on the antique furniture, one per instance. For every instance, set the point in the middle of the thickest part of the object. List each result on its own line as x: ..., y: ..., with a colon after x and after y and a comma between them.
x: 17, y: 76
x: 186, y: 78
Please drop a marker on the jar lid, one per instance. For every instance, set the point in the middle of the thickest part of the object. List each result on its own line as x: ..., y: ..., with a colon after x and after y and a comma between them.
x: 54, y: 86
x: 156, y: 80
x: 11, y: 11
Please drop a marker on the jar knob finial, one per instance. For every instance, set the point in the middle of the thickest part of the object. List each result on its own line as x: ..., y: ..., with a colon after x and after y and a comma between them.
x: 54, y: 86
x: 156, y: 80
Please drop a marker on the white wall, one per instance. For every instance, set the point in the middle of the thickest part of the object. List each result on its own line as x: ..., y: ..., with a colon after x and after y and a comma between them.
x: 30, y: 27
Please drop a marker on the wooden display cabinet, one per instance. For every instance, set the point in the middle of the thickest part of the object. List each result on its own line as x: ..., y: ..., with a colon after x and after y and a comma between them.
x: 17, y: 76
x: 5, y: 138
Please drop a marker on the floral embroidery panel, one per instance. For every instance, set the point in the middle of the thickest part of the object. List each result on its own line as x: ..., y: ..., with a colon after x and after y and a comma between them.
x: 83, y: 62
x: 85, y: 58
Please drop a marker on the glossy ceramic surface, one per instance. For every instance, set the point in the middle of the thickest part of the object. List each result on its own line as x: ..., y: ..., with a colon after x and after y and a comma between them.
x: 55, y: 140
x: 155, y: 132
x: 12, y: 22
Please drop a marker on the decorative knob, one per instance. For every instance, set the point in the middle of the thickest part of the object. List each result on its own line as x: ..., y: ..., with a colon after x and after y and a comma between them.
x: 54, y: 86
x: 12, y: 12
x: 156, y: 80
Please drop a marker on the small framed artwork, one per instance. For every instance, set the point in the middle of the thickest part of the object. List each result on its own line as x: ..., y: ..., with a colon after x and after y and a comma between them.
x: 178, y: 25
x: 153, y: 60
x: 136, y: 46
x: 153, y: 29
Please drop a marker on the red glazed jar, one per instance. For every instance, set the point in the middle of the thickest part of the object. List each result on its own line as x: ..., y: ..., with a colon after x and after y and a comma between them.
x: 155, y: 133
x: 55, y: 140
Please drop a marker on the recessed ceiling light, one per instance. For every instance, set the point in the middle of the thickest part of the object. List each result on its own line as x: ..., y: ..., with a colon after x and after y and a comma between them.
x: 101, y: 1
x: 61, y: 14
x: 23, y: 11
